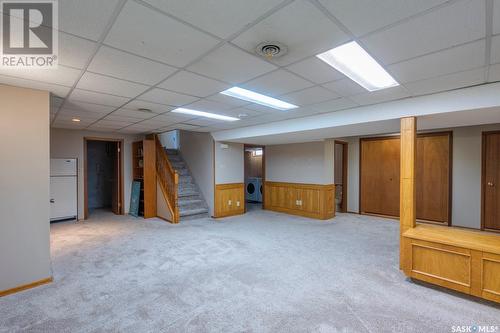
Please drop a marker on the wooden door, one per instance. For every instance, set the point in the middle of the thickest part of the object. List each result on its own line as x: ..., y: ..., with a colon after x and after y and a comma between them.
x: 433, y: 166
x: 115, y: 181
x: 491, y: 181
x: 379, y: 171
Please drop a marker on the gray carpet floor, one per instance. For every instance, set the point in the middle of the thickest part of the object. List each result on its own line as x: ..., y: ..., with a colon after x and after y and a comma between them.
x: 261, y: 272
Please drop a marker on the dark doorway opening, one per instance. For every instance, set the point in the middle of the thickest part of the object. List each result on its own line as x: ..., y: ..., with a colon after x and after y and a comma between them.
x: 254, y: 177
x: 103, y: 176
x: 340, y: 170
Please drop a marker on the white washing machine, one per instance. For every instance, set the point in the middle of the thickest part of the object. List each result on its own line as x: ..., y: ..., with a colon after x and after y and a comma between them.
x: 259, y: 192
x: 252, y: 186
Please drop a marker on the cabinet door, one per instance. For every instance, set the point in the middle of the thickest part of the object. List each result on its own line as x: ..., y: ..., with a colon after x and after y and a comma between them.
x: 63, y: 197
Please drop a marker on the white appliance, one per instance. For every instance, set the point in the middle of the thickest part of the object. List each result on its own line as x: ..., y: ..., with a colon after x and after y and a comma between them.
x: 63, y: 189
x: 259, y: 192
x: 251, y: 189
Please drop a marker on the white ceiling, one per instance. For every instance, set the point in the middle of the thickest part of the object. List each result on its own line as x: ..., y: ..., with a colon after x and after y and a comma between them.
x: 117, y: 56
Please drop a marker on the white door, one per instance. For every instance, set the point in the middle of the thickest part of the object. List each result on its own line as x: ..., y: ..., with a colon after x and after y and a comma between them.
x: 63, y: 197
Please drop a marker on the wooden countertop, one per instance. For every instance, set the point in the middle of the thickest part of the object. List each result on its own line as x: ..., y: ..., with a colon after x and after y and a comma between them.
x: 470, y: 239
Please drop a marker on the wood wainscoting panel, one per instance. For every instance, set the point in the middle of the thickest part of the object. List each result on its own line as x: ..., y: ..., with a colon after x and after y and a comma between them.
x: 229, y: 199
x: 309, y: 200
x: 445, y: 265
x: 491, y: 277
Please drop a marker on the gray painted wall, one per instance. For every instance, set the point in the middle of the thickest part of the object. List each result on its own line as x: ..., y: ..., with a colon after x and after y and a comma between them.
x: 197, y: 150
x: 466, y: 176
x: 229, y: 163
x: 308, y: 163
x: 170, y: 140
x: 69, y: 144
x: 24, y: 189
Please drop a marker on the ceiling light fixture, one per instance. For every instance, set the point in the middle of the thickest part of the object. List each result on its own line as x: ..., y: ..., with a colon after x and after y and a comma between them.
x: 75, y: 120
x: 354, y: 62
x: 204, y: 114
x: 251, y: 96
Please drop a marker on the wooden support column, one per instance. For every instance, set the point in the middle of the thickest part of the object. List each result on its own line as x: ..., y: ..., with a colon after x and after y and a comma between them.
x: 407, y: 199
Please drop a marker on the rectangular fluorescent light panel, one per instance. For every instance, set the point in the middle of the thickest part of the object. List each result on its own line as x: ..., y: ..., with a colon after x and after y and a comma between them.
x: 251, y: 96
x: 204, y: 114
x: 354, y: 62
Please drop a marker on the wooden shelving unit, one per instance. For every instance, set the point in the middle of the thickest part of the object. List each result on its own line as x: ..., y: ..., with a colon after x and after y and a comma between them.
x: 144, y: 171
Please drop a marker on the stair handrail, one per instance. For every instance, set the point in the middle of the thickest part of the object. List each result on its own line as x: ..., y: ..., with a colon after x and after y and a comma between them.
x: 168, y: 179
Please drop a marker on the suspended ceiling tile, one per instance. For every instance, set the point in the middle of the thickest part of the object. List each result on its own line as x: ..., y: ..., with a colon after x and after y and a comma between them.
x: 222, y: 18
x: 380, y: 96
x: 461, y: 22
x: 86, y: 18
x: 447, y: 82
x: 309, y: 96
x: 166, y: 97
x: 193, y: 84
x: 315, y: 70
x: 229, y: 64
x: 364, y: 16
x: 73, y: 51
x: 109, y: 85
x: 79, y: 95
x: 302, y: 27
x: 277, y: 83
x: 345, y: 87
x: 449, y: 61
x: 146, y: 32
x: 137, y: 104
x: 126, y: 66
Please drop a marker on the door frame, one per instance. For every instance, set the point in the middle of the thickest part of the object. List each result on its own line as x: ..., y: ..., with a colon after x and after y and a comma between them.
x: 483, y: 177
x: 345, y: 156
x: 120, y: 178
x: 245, y: 146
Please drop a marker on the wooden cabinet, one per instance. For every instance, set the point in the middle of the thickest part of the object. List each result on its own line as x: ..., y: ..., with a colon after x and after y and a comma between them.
x: 310, y: 200
x: 229, y: 199
x: 380, y: 176
x: 462, y: 260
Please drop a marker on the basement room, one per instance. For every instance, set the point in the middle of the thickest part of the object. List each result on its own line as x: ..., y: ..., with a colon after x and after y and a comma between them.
x: 250, y: 166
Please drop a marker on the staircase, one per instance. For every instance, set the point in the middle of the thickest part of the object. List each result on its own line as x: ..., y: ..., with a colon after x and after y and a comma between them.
x: 190, y: 200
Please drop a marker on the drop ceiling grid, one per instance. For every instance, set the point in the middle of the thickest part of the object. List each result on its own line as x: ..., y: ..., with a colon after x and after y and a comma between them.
x: 284, y: 4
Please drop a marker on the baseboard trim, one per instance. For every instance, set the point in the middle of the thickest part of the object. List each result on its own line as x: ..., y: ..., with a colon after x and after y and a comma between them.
x: 26, y: 286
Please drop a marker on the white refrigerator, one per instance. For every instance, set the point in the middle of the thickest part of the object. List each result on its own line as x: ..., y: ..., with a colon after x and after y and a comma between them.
x: 63, y: 189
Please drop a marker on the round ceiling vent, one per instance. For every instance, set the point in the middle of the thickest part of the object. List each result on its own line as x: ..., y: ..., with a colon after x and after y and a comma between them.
x: 271, y: 50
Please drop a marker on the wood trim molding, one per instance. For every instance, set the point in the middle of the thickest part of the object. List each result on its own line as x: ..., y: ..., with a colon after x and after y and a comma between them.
x: 229, y: 199
x: 315, y: 201
x: 26, y: 286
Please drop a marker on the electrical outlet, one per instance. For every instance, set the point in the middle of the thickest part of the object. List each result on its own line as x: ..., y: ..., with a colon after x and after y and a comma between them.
x: 237, y: 203
x: 229, y: 203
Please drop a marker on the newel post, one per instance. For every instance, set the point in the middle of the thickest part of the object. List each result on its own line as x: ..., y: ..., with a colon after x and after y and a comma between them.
x: 407, y: 200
